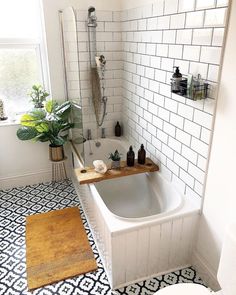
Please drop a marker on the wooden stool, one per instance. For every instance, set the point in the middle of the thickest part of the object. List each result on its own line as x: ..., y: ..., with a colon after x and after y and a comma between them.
x: 59, y: 170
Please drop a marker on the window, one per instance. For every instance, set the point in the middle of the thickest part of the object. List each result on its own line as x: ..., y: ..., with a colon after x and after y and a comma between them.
x: 21, y: 53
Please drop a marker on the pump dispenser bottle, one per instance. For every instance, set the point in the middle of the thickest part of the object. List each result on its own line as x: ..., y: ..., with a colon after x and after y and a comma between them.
x: 176, y: 79
x: 142, y: 155
x: 130, y: 157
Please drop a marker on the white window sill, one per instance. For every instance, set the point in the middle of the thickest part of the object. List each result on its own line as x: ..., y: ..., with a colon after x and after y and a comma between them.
x: 9, y: 122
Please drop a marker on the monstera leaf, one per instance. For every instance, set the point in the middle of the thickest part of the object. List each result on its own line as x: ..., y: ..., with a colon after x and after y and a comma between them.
x: 42, y: 128
x: 48, y: 124
x: 50, y: 106
x: 33, y: 118
x: 26, y: 133
x: 63, y: 110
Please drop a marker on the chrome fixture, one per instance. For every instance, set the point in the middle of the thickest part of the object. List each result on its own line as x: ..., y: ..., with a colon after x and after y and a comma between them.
x: 89, y: 134
x: 92, y: 19
x: 97, y: 70
x: 98, y: 144
x: 103, y: 133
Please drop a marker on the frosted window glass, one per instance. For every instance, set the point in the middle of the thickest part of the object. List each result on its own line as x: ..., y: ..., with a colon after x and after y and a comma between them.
x: 19, y: 70
x: 19, y: 19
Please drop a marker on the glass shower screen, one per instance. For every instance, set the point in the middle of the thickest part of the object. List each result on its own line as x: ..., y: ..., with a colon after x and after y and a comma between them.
x: 72, y: 75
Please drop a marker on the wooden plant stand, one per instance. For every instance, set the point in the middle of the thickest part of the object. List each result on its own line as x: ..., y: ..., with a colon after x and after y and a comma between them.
x: 59, y: 170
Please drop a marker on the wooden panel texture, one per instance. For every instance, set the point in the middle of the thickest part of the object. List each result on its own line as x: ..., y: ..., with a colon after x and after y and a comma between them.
x: 89, y: 175
x: 57, y: 247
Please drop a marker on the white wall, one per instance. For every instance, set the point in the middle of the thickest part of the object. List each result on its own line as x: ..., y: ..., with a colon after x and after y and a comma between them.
x: 220, y: 198
x: 21, y: 162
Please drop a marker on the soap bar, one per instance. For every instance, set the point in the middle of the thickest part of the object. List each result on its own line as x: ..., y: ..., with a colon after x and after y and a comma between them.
x: 100, y: 166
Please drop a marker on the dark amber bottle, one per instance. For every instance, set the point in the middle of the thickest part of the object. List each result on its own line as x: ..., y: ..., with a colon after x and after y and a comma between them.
x: 118, y: 129
x: 142, y: 155
x: 130, y: 157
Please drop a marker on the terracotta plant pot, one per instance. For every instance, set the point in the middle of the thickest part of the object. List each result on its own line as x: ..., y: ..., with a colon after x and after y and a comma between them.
x: 56, y: 153
x: 115, y: 164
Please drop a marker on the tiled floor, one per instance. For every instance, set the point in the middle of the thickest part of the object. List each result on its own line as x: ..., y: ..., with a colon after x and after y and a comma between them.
x: 17, y: 203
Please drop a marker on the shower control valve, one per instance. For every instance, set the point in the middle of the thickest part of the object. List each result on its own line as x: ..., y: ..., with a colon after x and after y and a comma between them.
x: 89, y: 134
x: 103, y: 133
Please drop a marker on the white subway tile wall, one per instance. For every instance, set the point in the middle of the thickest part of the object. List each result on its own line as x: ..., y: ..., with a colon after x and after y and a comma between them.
x: 141, y: 46
x: 176, y: 131
x: 202, y: 4
x: 186, y: 5
x: 109, y: 43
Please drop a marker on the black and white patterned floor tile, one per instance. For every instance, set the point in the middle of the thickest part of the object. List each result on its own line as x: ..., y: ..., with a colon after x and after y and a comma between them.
x: 15, y: 205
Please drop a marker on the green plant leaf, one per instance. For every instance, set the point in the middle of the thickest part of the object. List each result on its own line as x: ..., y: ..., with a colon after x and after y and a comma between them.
x: 50, y: 123
x: 26, y: 133
x: 67, y: 126
x: 63, y: 110
x: 43, y: 127
x: 36, y: 87
x: 50, y: 106
x: 43, y: 137
x: 38, y: 114
x: 116, y: 156
x: 57, y: 141
x: 38, y: 94
x: 28, y: 120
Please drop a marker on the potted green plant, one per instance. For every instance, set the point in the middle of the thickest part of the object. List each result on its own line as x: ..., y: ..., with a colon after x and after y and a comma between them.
x: 50, y: 123
x: 38, y: 95
x: 115, y: 157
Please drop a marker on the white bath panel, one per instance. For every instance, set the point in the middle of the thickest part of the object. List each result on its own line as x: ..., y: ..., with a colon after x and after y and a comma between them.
x: 142, y: 252
x: 165, y: 245
x: 118, y: 260
x: 131, y: 256
x: 175, y: 243
x: 188, y: 237
x: 154, y: 249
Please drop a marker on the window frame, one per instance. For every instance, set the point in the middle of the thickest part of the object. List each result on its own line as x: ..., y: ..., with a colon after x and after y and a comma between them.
x: 39, y: 44
x: 27, y: 44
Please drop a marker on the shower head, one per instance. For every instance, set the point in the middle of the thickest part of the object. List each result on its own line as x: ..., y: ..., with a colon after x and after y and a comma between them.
x: 92, y: 20
x: 91, y: 9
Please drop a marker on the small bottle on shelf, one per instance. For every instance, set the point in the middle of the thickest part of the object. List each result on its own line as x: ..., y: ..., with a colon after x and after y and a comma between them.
x: 176, y: 79
x: 142, y: 155
x: 130, y: 157
x: 118, y: 129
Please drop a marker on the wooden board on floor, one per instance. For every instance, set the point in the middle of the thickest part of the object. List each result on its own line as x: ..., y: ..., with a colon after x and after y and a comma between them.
x: 91, y: 175
x: 57, y: 247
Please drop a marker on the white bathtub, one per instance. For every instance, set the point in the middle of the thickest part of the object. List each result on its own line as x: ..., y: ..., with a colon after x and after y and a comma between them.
x: 137, y: 197
x: 142, y: 226
x: 94, y: 152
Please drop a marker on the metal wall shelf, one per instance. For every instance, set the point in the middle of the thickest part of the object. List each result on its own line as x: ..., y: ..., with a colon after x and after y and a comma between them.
x: 196, y: 92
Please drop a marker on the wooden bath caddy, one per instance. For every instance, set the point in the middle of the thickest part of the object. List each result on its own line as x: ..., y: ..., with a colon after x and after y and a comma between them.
x: 89, y: 175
